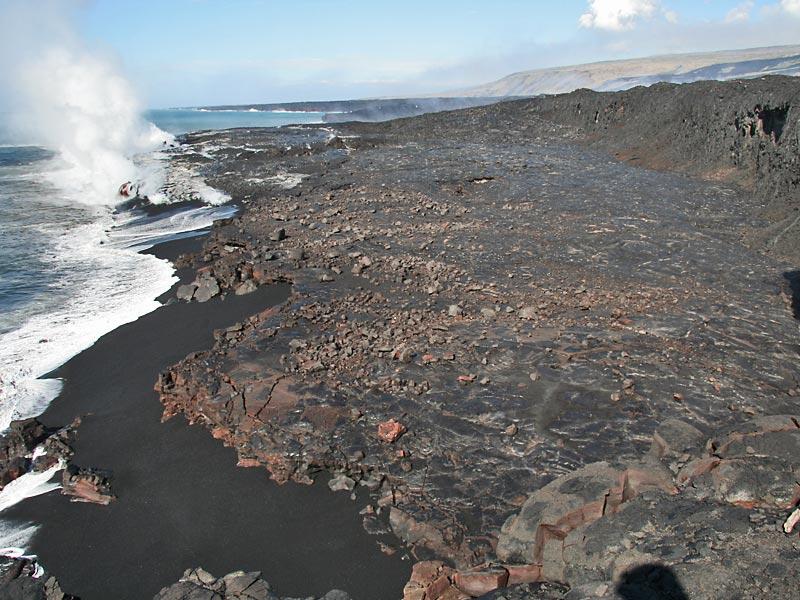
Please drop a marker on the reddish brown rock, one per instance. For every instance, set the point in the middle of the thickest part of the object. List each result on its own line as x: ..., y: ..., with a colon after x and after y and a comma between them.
x: 518, y: 574
x: 87, y: 485
x: 480, y: 582
x: 431, y: 580
x: 391, y: 430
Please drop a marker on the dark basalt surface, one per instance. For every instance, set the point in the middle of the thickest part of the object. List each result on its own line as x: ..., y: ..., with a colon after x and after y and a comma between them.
x: 524, y: 304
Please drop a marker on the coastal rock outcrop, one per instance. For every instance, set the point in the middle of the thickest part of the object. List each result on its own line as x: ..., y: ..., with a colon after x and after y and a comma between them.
x: 23, y: 578
x: 197, y: 584
x: 87, y: 485
x: 16, y: 447
x: 30, y: 446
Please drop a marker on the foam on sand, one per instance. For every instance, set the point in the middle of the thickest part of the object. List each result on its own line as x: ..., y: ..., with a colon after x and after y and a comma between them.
x: 101, y: 288
x: 29, y: 485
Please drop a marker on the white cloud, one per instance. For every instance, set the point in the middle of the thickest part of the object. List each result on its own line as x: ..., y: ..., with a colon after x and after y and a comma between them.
x: 741, y: 12
x: 618, y: 15
x: 791, y: 6
x: 671, y: 16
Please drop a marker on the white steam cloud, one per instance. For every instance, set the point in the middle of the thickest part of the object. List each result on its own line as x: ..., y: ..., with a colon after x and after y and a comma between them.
x: 63, y: 95
x: 616, y: 15
x: 791, y: 6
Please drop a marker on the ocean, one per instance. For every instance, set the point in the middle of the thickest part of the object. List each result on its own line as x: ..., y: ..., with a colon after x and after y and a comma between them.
x: 184, y: 120
x: 71, y: 268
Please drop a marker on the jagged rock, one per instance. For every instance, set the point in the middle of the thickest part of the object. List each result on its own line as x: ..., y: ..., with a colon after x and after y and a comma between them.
x: 207, y: 288
x: 536, y: 534
x: 23, y: 437
x: 24, y: 579
x: 753, y: 464
x: 295, y: 254
x: 674, y: 438
x: 341, y: 483
x: 87, y: 485
x: 197, y: 584
x: 186, y: 292
x: 711, y: 549
x: 390, y: 431
x: 431, y: 579
x: 248, y: 287
x: 20, y: 440
x: 479, y: 582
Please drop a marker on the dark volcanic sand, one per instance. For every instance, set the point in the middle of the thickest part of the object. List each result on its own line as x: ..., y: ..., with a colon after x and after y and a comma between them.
x: 182, y: 502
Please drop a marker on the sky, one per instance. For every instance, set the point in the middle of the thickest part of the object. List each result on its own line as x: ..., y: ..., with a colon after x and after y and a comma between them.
x: 205, y: 52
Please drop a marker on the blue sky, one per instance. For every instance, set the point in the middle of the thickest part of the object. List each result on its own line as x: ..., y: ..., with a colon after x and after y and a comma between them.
x: 194, y: 52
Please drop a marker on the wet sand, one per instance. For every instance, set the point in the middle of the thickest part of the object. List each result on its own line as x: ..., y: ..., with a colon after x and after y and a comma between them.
x: 182, y: 502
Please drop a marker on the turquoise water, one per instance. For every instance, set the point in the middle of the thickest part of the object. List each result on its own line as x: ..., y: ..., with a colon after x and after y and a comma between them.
x: 183, y: 120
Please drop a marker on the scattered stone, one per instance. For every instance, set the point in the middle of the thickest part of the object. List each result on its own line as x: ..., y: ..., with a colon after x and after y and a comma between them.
x: 197, y: 584
x: 186, y: 292
x: 341, y: 483
x: 454, y: 310
x: 207, y: 288
x: 480, y: 582
x: 248, y: 287
x: 674, y: 438
x: 295, y: 254
x: 391, y: 430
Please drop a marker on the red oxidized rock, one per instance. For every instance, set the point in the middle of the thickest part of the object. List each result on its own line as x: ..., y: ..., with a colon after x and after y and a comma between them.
x: 478, y: 583
x: 87, y: 485
x: 391, y: 430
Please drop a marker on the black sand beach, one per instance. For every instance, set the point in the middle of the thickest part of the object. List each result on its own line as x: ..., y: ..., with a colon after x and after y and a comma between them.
x: 182, y: 502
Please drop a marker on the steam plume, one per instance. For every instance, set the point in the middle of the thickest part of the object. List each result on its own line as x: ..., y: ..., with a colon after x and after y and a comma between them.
x: 69, y: 98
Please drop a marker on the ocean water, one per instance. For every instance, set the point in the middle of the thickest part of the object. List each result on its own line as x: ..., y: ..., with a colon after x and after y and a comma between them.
x: 72, y: 270
x: 183, y: 120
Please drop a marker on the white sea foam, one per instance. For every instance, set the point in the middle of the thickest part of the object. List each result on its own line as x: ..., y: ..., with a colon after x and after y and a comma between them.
x: 140, y: 234
x: 29, y: 485
x: 15, y: 536
x: 102, y: 288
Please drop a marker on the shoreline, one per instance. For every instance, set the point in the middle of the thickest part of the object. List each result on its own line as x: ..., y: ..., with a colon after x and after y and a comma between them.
x: 173, y: 481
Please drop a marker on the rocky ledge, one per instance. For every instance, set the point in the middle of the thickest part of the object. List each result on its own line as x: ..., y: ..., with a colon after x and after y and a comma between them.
x: 197, y: 584
x: 23, y: 578
x: 30, y: 447
x: 544, y: 364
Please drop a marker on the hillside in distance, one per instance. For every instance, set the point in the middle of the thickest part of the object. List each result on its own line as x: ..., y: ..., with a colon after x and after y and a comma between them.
x: 625, y: 74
